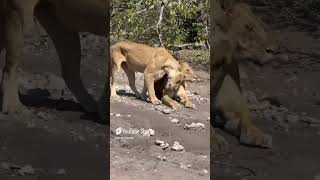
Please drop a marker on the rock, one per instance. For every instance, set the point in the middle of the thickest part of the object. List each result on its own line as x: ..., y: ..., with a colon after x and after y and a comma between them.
x: 42, y: 115
x: 174, y: 120
x: 27, y: 169
x: 81, y: 138
x: 5, y: 165
x: 194, y: 126
x: 162, y: 144
x: 151, y: 131
x: 54, y: 82
x: 158, y: 142
x: 283, y: 58
x: 203, y: 172
x: 252, y: 99
x: 183, y: 166
x: 118, y: 115
x: 310, y: 120
x: 292, y: 118
x: 167, y: 111
x: 177, y: 146
x: 61, y: 172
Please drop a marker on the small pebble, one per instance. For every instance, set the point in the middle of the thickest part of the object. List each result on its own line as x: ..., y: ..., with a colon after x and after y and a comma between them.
x: 177, y: 146
x: 61, y: 172
x: 175, y: 120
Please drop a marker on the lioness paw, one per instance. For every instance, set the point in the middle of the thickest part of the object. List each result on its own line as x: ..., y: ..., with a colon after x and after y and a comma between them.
x: 254, y: 137
x: 155, y: 101
x: 175, y: 106
x: 190, y: 105
x: 218, y: 143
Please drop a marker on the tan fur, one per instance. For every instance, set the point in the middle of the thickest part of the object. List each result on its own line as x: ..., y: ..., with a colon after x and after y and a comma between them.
x: 63, y: 20
x: 237, y: 35
x: 154, y: 63
x: 169, y: 95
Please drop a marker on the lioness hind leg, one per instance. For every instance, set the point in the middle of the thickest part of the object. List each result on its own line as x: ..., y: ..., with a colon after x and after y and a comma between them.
x: 235, y: 109
x: 131, y: 78
x: 115, y: 69
x: 14, y: 43
x: 67, y: 44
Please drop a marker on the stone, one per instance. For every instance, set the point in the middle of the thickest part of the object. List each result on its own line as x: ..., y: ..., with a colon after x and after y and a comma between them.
x: 177, y: 146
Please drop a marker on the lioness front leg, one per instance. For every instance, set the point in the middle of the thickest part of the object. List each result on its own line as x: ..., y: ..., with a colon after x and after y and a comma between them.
x: 235, y: 109
x: 170, y: 102
x: 14, y: 44
x: 217, y: 142
x: 183, y: 97
x: 67, y: 44
x: 149, y: 83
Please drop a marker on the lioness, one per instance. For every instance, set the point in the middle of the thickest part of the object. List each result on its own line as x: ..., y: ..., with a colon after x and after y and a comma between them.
x: 169, y: 95
x: 136, y: 57
x: 237, y: 35
x: 63, y: 20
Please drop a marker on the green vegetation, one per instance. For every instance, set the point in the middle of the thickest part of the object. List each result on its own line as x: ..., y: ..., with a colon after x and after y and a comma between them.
x: 176, y: 24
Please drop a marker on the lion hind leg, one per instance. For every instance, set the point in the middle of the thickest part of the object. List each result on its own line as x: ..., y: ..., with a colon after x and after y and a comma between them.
x: 131, y: 78
x: 14, y: 44
x: 67, y: 44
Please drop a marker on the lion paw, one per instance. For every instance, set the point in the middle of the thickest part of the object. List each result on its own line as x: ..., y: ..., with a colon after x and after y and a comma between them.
x: 255, y: 137
x: 190, y: 105
x: 155, y: 101
x: 218, y: 143
x: 17, y: 110
x: 175, y: 106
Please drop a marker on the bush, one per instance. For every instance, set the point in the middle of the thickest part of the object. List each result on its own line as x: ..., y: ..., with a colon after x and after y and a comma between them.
x: 184, y: 21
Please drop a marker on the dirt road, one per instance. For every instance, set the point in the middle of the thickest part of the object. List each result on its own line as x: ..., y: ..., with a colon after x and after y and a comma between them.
x: 139, y: 156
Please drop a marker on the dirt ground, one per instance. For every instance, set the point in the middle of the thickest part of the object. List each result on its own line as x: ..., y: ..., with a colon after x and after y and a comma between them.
x: 139, y: 157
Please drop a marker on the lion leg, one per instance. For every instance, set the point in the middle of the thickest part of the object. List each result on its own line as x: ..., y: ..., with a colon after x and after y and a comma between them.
x: 217, y: 142
x: 14, y: 43
x: 115, y: 70
x: 235, y: 109
x: 149, y: 85
x: 132, y: 79
x: 167, y: 100
x: 67, y: 44
x: 183, y: 98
